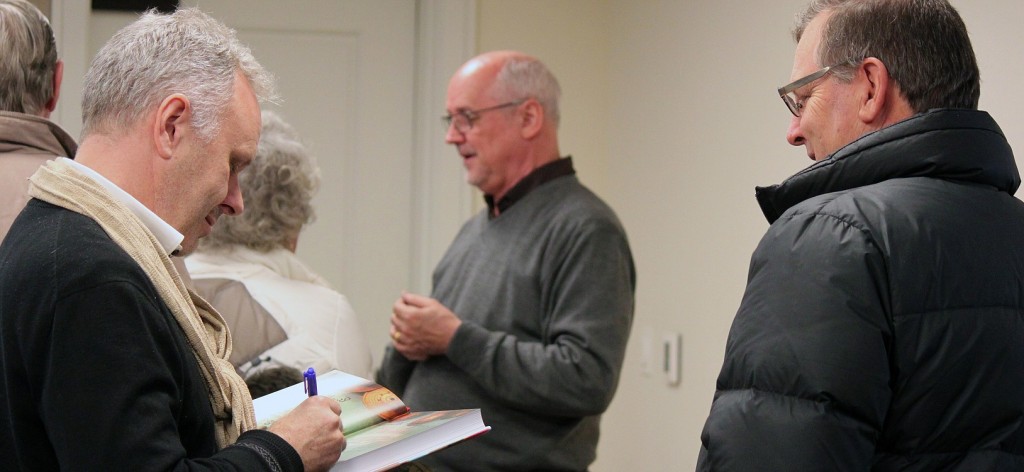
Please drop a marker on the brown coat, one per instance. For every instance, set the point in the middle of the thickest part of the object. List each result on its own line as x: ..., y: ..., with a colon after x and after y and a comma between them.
x: 26, y: 142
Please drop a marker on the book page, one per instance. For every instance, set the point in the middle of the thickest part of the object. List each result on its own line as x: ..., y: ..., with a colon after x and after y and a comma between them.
x: 363, y: 402
x: 407, y: 438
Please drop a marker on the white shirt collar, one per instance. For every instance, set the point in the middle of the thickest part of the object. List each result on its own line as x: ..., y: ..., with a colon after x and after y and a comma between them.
x: 166, y: 235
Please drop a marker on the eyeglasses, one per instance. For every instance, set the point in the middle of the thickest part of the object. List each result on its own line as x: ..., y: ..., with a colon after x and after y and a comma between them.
x: 463, y: 119
x: 788, y: 92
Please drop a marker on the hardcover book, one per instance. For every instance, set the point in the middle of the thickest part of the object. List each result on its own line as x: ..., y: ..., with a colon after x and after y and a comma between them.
x: 380, y: 430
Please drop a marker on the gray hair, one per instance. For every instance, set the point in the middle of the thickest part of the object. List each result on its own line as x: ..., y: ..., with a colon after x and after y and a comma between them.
x: 526, y: 77
x: 158, y: 55
x: 923, y: 43
x: 278, y: 190
x: 29, y: 53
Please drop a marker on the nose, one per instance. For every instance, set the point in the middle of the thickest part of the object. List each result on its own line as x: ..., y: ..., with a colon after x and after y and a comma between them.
x: 453, y: 135
x: 232, y: 203
x: 794, y: 135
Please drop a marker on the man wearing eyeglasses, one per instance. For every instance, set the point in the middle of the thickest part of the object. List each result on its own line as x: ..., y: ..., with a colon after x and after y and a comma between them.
x: 883, y: 319
x: 533, y: 301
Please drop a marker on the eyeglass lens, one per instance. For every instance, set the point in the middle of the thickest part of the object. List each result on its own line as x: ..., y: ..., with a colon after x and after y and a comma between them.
x: 461, y: 122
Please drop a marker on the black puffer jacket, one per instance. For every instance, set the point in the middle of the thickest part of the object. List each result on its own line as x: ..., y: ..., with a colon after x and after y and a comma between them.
x: 882, y: 326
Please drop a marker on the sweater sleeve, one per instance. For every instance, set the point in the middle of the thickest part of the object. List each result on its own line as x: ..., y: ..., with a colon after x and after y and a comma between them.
x: 571, y: 368
x: 805, y: 382
x: 394, y: 371
x: 116, y: 380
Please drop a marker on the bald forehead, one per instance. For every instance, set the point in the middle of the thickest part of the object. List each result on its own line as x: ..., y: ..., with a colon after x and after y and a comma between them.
x: 478, y: 69
x: 489, y: 64
x: 471, y: 83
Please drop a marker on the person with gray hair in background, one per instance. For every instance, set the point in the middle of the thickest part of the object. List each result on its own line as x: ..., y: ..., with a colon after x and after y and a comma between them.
x: 279, y: 310
x: 882, y: 324
x: 30, y: 78
x: 533, y: 301
x: 107, y: 360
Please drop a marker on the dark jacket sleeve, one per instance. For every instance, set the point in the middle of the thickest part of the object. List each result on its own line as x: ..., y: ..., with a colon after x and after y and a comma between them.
x: 805, y: 382
x: 97, y: 374
x: 117, y: 392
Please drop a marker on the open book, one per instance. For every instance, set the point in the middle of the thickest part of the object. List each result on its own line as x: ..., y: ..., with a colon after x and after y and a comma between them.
x: 380, y: 430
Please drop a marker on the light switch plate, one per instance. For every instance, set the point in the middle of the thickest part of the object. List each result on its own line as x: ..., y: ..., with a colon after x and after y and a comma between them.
x: 672, y: 353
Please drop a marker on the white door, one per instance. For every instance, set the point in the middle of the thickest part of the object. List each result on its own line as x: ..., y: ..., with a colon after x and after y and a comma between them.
x: 363, y: 82
x: 345, y: 73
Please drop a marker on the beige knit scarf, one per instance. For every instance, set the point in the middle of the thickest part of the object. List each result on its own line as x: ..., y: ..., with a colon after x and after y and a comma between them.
x: 59, y: 183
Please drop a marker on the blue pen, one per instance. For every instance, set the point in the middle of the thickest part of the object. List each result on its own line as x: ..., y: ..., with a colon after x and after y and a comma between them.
x: 309, y: 379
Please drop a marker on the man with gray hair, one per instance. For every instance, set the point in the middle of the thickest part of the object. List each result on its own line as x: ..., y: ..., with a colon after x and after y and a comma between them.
x: 30, y: 77
x: 881, y: 328
x: 533, y: 301
x: 108, y: 361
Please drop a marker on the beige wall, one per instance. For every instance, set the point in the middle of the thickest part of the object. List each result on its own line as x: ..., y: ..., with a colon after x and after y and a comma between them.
x: 42, y: 5
x: 570, y: 36
x: 671, y: 112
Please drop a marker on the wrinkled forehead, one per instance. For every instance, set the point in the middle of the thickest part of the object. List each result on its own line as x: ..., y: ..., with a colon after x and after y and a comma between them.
x: 805, y: 58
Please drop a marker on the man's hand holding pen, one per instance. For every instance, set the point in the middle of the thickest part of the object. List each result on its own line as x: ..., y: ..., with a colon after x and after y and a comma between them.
x: 313, y: 428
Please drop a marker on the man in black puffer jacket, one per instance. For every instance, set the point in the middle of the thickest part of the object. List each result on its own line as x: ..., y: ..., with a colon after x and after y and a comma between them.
x: 882, y: 326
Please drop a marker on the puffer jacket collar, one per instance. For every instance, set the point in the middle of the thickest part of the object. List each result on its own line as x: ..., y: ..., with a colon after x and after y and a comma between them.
x: 953, y: 144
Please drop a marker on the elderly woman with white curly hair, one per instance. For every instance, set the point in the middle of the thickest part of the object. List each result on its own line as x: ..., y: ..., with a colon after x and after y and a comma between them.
x: 279, y: 311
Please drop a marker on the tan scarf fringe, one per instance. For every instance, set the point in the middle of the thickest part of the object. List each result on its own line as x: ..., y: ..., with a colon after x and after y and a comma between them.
x: 60, y: 184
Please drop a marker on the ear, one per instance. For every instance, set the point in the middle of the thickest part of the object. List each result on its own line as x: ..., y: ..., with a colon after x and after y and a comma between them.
x: 58, y: 77
x: 173, y: 118
x: 876, y: 86
x: 532, y: 118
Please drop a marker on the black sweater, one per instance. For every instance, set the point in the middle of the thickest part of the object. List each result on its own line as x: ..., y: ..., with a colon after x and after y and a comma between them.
x: 96, y: 373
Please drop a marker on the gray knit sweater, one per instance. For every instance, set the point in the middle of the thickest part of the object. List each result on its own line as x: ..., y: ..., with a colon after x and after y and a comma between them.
x: 545, y: 292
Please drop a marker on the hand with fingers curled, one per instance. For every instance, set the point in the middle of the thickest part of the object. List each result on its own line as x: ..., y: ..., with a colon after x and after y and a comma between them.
x: 314, y: 429
x: 421, y: 326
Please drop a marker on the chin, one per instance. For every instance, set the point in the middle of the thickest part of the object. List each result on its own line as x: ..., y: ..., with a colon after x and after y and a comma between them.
x: 188, y: 246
